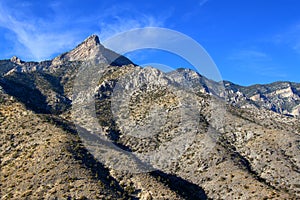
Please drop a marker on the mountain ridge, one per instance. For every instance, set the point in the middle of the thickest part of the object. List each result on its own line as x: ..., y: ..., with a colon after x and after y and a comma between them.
x: 251, y: 95
x: 239, y: 149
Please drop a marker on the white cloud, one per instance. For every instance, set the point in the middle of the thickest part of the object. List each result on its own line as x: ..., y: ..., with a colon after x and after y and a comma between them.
x: 249, y: 55
x: 40, y: 38
x: 35, y: 35
x: 118, y: 19
x: 202, y: 2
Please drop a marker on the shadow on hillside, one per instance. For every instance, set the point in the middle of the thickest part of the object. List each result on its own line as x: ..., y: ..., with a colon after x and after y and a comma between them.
x: 182, y: 187
x: 99, y: 171
x: 32, y: 98
x: 54, y: 82
x: 80, y: 153
x: 24, y: 88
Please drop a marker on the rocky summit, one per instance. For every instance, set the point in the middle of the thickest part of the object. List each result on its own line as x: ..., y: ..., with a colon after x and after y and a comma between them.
x: 90, y: 124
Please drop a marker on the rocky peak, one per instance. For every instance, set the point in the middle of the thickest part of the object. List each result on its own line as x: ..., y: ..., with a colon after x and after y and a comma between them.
x: 16, y: 60
x: 89, y: 49
x: 91, y: 42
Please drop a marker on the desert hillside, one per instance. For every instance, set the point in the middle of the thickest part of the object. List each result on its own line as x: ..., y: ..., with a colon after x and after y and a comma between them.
x: 151, y: 135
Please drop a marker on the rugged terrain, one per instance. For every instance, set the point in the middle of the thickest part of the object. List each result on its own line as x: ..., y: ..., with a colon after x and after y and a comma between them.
x: 140, y: 133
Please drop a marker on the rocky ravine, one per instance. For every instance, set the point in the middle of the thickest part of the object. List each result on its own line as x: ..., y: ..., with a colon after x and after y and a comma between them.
x: 199, y: 148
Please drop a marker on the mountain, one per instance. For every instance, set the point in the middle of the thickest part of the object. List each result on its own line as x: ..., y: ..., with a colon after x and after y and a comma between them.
x: 280, y: 97
x: 139, y: 133
x: 92, y: 48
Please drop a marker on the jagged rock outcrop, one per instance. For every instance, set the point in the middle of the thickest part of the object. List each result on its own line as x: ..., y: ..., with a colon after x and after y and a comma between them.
x: 91, y: 48
x: 280, y: 97
x: 16, y: 60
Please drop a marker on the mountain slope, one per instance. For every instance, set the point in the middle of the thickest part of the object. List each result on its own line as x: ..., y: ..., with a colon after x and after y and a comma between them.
x: 245, y: 152
x: 198, y: 146
x: 41, y: 160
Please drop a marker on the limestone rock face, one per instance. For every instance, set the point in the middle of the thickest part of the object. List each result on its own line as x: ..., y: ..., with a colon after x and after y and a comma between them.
x: 296, y: 111
x: 88, y: 49
x: 16, y: 60
x: 256, y: 97
x: 91, y: 48
x: 280, y: 97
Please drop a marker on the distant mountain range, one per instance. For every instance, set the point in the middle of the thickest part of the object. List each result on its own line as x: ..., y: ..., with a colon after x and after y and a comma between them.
x: 245, y: 140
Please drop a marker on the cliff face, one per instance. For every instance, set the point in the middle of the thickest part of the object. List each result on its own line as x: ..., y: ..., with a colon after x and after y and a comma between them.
x: 280, y: 97
x: 175, y: 128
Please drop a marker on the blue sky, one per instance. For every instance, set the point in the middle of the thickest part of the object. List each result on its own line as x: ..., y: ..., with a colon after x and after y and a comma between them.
x: 251, y: 41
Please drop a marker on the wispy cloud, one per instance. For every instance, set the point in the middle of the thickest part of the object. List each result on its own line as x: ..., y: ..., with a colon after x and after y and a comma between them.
x: 290, y: 37
x: 271, y: 71
x: 194, y: 11
x: 202, y: 2
x: 40, y: 38
x: 295, y: 38
x: 117, y: 19
x: 255, y: 62
x: 249, y: 55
